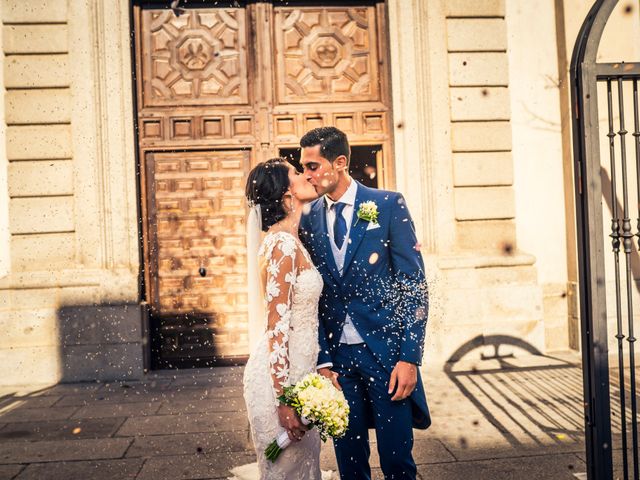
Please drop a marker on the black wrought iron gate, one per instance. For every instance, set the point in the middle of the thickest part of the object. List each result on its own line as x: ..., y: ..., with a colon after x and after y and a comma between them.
x: 611, y: 410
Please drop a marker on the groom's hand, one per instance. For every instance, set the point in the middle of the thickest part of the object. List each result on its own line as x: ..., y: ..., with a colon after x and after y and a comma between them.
x: 405, y: 377
x: 331, y: 375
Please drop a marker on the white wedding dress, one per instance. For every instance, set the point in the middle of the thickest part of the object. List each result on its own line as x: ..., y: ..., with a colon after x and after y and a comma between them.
x: 287, y: 351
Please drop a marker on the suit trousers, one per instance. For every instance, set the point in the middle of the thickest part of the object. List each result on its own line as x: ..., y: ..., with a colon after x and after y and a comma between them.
x: 365, y: 384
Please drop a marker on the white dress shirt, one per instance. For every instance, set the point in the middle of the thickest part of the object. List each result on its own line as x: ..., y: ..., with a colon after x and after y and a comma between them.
x: 349, y: 335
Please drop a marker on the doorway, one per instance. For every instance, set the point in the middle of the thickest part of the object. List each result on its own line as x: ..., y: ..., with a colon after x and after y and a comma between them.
x: 220, y: 88
x: 365, y: 164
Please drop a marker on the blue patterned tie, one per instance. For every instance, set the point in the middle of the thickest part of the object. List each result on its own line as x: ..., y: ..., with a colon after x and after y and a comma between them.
x: 339, y: 225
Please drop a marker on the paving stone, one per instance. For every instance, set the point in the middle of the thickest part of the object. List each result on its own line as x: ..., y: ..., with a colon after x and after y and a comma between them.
x: 197, y: 373
x: 32, y: 414
x: 430, y: 451
x: 184, y: 444
x: 189, y: 423
x: 33, y: 402
x: 453, y: 428
x: 216, y: 392
x: 617, y: 462
x: 95, y: 470
x: 72, y: 388
x: 557, y: 467
x: 192, y: 467
x: 328, y: 457
x: 209, y: 380
x: 71, y: 429
x: 425, y: 451
x: 234, y: 404
x: 157, y: 385
x: 488, y: 453
x: 204, y: 373
x: 111, y: 398
x: 184, y: 394
x: 63, y: 450
x: 8, y: 472
x: 483, y: 441
x: 117, y: 410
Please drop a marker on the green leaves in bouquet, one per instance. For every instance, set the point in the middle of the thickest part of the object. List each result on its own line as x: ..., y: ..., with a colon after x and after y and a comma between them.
x: 289, y: 398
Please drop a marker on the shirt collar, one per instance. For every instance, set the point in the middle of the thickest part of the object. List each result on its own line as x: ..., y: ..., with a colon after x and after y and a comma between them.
x: 348, y: 197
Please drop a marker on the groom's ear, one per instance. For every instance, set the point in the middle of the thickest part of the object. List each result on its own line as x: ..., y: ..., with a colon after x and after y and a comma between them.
x: 340, y: 163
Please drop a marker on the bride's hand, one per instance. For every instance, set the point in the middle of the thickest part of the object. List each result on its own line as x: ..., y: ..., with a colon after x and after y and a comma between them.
x: 291, y: 423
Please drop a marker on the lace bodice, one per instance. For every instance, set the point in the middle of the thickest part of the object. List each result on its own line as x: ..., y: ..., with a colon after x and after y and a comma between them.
x: 287, y: 351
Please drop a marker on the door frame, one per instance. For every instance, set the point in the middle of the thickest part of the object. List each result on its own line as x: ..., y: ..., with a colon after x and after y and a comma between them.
x: 387, y: 173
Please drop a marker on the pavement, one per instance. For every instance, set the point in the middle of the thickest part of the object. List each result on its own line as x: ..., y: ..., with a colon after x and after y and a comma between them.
x: 505, y: 418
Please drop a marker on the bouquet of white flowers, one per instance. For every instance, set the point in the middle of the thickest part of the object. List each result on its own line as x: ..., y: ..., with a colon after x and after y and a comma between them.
x: 319, y: 404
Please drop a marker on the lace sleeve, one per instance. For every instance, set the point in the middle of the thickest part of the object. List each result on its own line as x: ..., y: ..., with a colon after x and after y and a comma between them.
x: 280, y: 280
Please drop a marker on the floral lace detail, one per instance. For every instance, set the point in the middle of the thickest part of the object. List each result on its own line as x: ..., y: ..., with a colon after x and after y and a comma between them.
x: 279, y: 252
x: 287, y: 351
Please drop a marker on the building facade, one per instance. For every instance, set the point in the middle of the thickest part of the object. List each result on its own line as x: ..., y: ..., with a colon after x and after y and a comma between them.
x: 130, y: 127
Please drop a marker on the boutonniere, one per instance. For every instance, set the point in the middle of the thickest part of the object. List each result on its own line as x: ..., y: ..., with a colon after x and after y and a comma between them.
x: 368, y: 211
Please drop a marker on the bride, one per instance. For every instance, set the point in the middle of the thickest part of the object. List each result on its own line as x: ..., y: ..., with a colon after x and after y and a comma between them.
x: 288, y: 348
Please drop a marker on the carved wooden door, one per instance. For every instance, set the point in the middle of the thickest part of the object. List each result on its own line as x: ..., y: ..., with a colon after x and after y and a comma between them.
x: 219, y: 89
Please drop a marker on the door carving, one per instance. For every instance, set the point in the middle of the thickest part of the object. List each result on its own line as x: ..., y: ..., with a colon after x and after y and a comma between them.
x: 326, y: 53
x: 198, y: 58
x: 219, y: 89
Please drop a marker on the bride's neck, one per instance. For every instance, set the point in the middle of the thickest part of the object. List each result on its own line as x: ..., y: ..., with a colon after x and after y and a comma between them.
x: 289, y: 224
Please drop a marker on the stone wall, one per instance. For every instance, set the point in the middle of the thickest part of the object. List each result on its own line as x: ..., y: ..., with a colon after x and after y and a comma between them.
x: 480, y: 125
x: 488, y: 287
x: 543, y: 173
x: 39, y: 149
x: 69, y: 303
x: 452, y: 113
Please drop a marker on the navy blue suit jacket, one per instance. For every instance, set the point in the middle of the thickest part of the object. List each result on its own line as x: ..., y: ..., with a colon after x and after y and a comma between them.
x: 382, y: 288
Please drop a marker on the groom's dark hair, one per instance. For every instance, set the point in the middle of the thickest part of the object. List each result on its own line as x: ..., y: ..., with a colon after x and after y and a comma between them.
x: 333, y: 142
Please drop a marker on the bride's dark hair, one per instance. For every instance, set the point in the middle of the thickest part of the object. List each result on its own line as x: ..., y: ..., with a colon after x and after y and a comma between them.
x: 266, y: 185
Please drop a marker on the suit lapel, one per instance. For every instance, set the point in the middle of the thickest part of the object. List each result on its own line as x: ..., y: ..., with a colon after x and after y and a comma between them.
x: 358, y: 228
x: 323, y: 240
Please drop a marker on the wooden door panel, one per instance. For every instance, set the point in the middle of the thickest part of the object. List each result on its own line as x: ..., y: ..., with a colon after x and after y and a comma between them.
x: 360, y: 126
x: 326, y: 54
x: 197, y: 231
x: 198, y: 58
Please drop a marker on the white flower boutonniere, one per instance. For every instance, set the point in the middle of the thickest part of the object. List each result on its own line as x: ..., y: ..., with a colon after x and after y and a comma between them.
x: 368, y: 211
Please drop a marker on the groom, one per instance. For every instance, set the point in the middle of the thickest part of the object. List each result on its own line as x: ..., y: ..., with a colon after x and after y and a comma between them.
x: 373, y: 309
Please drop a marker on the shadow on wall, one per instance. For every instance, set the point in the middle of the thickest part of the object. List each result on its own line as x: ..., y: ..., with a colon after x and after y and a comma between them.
x: 122, y: 341
x: 102, y: 342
